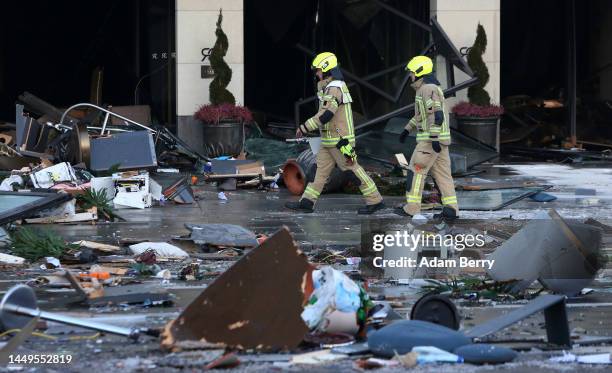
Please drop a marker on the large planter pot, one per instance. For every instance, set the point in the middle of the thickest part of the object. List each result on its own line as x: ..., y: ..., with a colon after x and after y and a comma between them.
x: 224, y: 138
x: 484, y: 129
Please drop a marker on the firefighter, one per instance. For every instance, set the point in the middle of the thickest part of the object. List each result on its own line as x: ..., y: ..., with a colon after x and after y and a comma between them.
x: 334, y: 120
x: 431, y: 155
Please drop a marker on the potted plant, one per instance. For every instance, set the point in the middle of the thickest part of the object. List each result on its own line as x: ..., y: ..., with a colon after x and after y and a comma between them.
x: 478, y: 118
x: 223, y: 122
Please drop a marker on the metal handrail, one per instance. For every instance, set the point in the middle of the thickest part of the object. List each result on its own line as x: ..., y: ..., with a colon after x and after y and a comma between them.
x: 108, y: 114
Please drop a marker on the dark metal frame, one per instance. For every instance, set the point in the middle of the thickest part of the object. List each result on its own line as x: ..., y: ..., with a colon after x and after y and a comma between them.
x: 555, y: 318
x: 441, y: 43
x: 23, y: 211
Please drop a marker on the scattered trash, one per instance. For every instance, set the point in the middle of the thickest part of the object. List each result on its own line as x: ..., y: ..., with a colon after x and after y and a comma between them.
x: 132, y: 190
x: 161, y: 249
x: 431, y: 354
x: 48, y: 177
x: 317, y: 357
x: 179, y: 192
x: 222, y: 196
x: 11, y: 259
x: 221, y: 235
x: 335, y: 303
x: 11, y: 183
x: 582, y: 359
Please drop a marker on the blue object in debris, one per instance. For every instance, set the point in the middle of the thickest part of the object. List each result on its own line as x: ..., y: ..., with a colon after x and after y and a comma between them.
x: 402, y: 336
x: 483, y: 353
x: 543, y: 197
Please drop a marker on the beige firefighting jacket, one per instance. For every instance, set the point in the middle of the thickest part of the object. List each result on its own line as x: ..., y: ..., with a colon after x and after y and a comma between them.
x: 429, y: 99
x: 333, y: 96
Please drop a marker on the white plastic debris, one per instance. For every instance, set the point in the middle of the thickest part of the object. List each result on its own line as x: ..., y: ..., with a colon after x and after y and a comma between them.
x: 133, y: 190
x: 431, y: 354
x: 50, y: 176
x: 419, y: 219
x: 156, y: 190
x: 165, y: 275
x: 222, y: 196
x: 7, y: 184
x: 51, y: 263
x: 162, y: 249
x: 568, y: 357
x: 334, y: 291
x: 11, y: 259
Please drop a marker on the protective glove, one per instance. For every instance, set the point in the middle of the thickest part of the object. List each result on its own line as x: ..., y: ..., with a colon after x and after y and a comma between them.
x: 435, y: 145
x: 403, y: 136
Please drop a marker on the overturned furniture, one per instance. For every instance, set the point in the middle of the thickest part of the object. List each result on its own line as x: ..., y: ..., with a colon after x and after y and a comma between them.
x: 60, y: 136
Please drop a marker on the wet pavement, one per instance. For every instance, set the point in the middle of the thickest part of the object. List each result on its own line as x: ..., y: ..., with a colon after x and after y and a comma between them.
x: 335, y: 224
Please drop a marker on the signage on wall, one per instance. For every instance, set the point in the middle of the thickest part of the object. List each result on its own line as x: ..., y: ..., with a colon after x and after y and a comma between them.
x: 206, y: 70
x: 162, y: 55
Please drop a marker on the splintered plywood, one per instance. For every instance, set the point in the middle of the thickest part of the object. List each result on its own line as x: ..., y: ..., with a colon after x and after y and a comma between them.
x: 255, y: 304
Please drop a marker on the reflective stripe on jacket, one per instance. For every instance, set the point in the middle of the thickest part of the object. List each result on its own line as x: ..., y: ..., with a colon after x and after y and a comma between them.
x: 429, y: 99
x: 335, y: 97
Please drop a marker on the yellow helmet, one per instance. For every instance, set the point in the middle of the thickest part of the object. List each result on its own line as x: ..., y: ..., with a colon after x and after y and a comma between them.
x: 420, y: 65
x: 325, y: 61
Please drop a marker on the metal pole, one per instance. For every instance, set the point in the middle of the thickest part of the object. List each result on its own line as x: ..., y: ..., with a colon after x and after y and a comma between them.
x: 106, y: 111
x: 571, y: 69
x: 403, y: 15
x: 406, y: 108
x: 104, y: 123
x: 70, y: 320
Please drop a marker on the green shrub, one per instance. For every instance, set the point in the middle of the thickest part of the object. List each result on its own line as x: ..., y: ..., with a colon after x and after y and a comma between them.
x: 36, y: 244
x: 476, y: 93
x: 223, y: 74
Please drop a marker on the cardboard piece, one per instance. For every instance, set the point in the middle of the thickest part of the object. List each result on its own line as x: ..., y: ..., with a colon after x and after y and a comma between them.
x: 239, y: 309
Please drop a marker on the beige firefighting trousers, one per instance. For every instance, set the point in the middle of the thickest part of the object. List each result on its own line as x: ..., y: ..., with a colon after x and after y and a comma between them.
x: 327, y: 159
x: 424, y: 161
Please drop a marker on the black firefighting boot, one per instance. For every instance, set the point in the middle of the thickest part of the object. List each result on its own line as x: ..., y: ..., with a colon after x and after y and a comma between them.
x: 370, y: 209
x: 400, y: 211
x: 303, y: 205
x: 448, y: 214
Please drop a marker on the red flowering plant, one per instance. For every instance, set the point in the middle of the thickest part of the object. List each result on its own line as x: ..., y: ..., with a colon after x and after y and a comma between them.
x: 466, y: 109
x: 214, y: 114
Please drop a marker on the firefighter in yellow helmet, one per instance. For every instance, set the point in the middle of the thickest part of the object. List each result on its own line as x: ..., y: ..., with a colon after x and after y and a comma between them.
x: 431, y: 155
x: 334, y: 120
